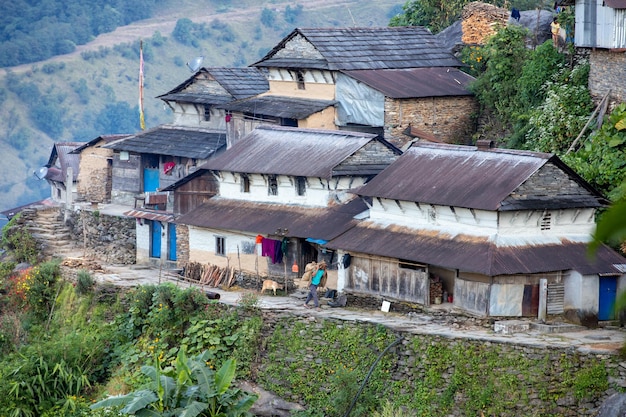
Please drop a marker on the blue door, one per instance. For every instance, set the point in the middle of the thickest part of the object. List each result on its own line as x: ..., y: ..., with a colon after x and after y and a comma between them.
x: 608, y: 292
x: 171, y: 247
x: 155, y: 239
x: 150, y: 179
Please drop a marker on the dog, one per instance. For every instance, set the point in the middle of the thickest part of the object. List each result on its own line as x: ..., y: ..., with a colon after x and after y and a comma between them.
x: 268, y: 284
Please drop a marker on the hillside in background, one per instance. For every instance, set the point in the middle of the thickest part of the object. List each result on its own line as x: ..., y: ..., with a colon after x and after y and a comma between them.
x: 94, y: 90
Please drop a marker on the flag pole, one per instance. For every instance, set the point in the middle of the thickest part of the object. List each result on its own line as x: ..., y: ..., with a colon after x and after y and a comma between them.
x: 142, y: 121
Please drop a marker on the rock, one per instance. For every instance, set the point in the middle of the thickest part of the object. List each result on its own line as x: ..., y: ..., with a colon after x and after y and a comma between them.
x: 268, y: 404
x: 614, y: 406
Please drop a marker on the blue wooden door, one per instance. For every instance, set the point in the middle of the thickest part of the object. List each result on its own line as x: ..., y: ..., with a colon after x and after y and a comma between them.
x: 608, y: 291
x: 155, y: 239
x: 150, y: 179
x: 171, y: 247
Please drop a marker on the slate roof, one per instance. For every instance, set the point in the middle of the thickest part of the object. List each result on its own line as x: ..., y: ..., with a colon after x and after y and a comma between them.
x: 293, y: 151
x: 476, y: 254
x: 173, y: 141
x: 416, y: 82
x: 105, y: 138
x: 279, y: 106
x: 60, y: 159
x: 466, y: 176
x: 238, y: 83
x: 265, y: 218
x: 363, y: 49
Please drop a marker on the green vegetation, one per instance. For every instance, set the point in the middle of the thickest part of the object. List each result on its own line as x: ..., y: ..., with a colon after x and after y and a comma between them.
x: 439, y: 14
x: 190, y: 388
x: 64, y: 344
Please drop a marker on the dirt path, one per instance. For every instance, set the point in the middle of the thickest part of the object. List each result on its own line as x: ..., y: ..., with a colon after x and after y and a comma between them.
x: 166, y: 23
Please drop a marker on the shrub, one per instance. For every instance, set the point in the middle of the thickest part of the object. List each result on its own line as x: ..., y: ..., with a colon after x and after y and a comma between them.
x: 84, y: 282
x: 17, y: 240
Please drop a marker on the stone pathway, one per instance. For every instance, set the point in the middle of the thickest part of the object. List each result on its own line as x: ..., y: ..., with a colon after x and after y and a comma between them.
x: 607, y: 340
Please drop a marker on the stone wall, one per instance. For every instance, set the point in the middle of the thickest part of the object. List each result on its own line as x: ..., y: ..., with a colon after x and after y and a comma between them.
x: 607, y: 72
x: 94, y: 177
x: 449, y: 119
x: 511, y: 379
x: 110, y: 238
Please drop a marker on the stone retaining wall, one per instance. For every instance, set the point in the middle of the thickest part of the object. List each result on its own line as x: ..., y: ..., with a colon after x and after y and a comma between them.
x: 110, y: 238
x: 529, y: 380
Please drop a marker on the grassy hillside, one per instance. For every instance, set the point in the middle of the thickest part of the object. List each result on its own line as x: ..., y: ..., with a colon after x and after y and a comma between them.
x: 94, y: 91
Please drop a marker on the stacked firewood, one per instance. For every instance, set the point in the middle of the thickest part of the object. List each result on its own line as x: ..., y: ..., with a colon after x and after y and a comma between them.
x: 480, y: 21
x: 80, y: 263
x: 436, y: 288
x: 209, y: 275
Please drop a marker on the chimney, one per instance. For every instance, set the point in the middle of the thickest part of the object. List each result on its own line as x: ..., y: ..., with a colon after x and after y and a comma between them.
x: 485, y: 145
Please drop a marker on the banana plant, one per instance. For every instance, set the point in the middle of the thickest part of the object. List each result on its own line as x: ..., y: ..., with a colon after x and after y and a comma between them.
x: 189, y: 389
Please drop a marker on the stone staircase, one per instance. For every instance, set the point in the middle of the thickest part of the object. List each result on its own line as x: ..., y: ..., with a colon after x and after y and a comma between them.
x: 53, y: 237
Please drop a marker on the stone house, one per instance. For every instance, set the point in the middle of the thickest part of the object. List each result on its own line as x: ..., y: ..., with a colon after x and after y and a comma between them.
x: 284, y: 189
x: 500, y: 232
x: 600, y: 31
x: 61, y: 172
x: 145, y: 163
x: 95, y: 176
x: 380, y: 78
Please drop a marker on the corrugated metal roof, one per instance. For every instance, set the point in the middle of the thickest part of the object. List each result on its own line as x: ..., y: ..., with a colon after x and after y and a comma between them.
x: 62, y: 157
x: 416, y: 82
x: 239, y: 83
x: 197, y: 98
x: 279, y: 106
x: 157, y: 215
x: 262, y: 218
x: 174, y: 141
x: 365, y: 48
x: 290, y: 151
x: 474, y: 254
x: 466, y: 176
x: 104, y: 138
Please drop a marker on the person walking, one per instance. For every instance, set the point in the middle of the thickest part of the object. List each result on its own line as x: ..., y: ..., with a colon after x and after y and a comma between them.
x: 318, y: 280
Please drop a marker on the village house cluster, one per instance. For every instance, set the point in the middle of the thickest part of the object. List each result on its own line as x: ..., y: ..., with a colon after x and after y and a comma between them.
x: 352, y: 146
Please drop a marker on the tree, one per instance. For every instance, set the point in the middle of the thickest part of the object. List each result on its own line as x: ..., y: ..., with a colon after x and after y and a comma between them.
x: 118, y: 118
x: 190, y: 389
x: 268, y: 17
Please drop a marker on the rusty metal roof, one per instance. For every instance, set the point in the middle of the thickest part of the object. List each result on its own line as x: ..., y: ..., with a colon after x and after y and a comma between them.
x: 363, y: 49
x: 283, y: 150
x: 264, y: 218
x: 475, y: 254
x: 416, y: 82
x: 173, y: 140
x: 235, y: 83
x: 466, y: 176
x: 61, y: 157
x: 279, y: 106
x: 147, y: 214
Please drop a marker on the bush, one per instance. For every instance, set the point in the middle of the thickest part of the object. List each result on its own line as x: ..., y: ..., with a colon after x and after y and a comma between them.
x: 84, y: 282
x: 17, y: 240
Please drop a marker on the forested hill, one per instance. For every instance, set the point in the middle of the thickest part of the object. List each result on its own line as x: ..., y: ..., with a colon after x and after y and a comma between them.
x: 35, y: 31
x: 93, y: 88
